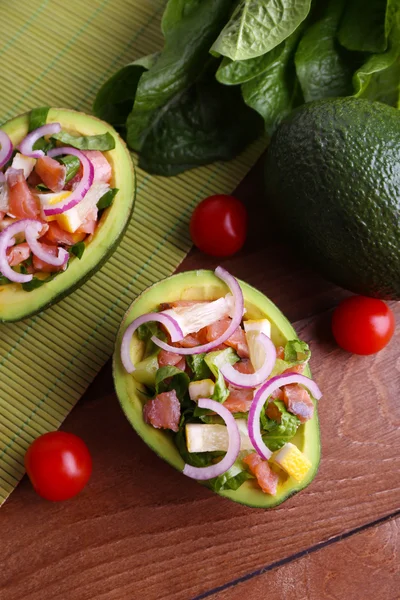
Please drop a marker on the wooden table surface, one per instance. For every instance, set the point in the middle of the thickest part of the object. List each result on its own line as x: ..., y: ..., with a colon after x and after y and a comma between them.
x: 140, y: 530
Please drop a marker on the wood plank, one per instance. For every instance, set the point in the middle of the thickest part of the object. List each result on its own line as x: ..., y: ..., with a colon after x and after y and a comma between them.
x: 141, y: 530
x: 365, y: 566
x: 134, y: 527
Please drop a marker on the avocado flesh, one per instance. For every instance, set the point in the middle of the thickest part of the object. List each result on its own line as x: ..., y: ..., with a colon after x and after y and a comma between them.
x: 15, y: 303
x: 204, y: 285
x: 333, y: 179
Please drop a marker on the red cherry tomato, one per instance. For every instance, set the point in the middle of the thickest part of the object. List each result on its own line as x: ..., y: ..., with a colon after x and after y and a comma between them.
x: 219, y: 225
x: 362, y: 325
x: 58, y: 464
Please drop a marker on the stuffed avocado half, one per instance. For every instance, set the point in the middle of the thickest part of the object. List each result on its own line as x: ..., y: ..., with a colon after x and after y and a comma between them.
x: 135, y: 389
x: 86, y: 233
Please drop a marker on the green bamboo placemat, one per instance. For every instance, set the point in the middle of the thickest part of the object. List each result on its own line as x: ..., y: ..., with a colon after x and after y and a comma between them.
x: 58, y: 53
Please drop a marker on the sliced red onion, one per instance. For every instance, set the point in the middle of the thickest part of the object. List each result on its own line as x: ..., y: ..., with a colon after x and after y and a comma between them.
x: 7, y: 240
x: 204, y: 473
x: 261, y: 397
x: 26, y: 146
x: 32, y: 233
x: 169, y: 323
x: 237, y: 315
x: 81, y: 189
x: 6, y: 148
x: 251, y: 380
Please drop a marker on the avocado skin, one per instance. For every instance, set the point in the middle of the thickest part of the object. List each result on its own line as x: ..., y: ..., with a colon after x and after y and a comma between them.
x: 333, y: 180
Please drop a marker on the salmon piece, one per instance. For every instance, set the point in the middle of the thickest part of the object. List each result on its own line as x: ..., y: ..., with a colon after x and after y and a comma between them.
x: 57, y: 235
x: 239, y: 399
x: 23, y: 204
x: 272, y: 411
x: 280, y: 352
x: 277, y: 394
x: 102, y: 168
x: 298, y: 401
x: 40, y: 265
x: 181, y: 364
x: 168, y: 358
x: 51, y: 172
x: 296, y: 369
x: 237, y: 340
x: 17, y: 254
x: 267, y: 479
x: 163, y: 412
x: 34, y: 179
x: 244, y: 366
x: 88, y: 227
x: 193, y: 339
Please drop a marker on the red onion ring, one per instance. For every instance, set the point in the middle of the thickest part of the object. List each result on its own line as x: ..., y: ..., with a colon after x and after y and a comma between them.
x: 169, y: 323
x: 204, y: 473
x: 6, y: 148
x: 81, y: 189
x: 261, y: 397
x: 32, y: 233
x: 26, y: 146
x: 7, y: 240
x: 237, y: 294
x: 251, y: 380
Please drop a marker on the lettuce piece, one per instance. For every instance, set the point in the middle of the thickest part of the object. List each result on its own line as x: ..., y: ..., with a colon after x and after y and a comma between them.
x: 232, y: 479
x: 170, y: 378
x: 198, y: 366
x: 145, y: 332
x: 296, y: 353
x: 278, y: 434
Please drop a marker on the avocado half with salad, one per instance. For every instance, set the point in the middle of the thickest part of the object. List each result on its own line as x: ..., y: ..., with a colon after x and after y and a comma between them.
x: 214, y: 379
x: 67, y: 189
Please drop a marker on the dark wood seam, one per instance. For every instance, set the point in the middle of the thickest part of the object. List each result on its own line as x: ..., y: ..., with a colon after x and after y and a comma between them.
x: 297, y: 555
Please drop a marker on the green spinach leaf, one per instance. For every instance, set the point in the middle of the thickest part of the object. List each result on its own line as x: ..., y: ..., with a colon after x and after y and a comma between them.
x: 185, y: 53
x: 114, y: 100
x: 273, y: 94
x: 323, y: 68
x: 38, y: 117
x: 365, y: 26
x: 107, y: 199
x: 207, y: 122
x: 78, y: 249
x: 379, y: 77
x: 4, y: 280
x: 235, y: 72
x: 170, y: 378
x: 102, y: 141
x: 258, y: 26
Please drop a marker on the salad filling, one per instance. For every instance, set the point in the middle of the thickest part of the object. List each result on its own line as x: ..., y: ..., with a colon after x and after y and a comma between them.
x: 54, y: 187
x: 233, y: 403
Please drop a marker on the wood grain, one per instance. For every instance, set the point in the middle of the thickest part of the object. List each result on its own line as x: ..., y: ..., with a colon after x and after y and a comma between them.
x: 142, y: 530
x: 365, y: 566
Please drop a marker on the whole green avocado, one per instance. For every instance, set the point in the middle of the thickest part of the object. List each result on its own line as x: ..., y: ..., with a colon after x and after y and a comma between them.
x: 333, y: 179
